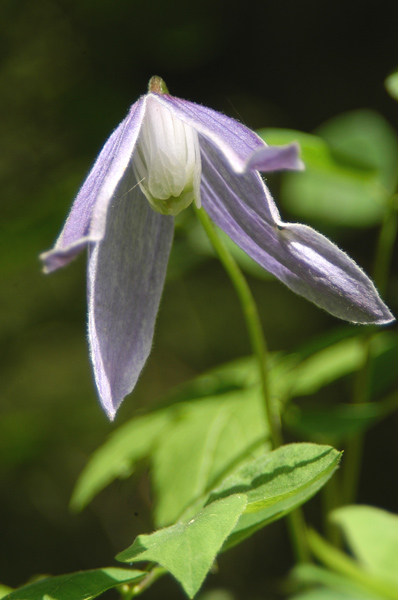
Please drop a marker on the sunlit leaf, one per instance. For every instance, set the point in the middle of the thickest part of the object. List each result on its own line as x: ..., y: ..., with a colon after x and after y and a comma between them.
x: 191, y: 444
x: 332, y: 362
x: 372, y: 535
x: 328, y: 594
x: 4, y: 590
x: 324, y: 423
x: 231, y: 376
x: 349, y: 569
x: 327, y: 365
x: 117, y: 457
x: 187, y: 550
x: 82, y: 585
x: 206, y: 439
x: 329, y: 585
x: 277, y: 482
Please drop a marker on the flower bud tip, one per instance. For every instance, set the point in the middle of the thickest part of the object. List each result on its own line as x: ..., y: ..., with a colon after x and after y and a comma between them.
x: 157, y: 85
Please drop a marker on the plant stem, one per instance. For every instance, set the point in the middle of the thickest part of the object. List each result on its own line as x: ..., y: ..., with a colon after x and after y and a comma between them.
x: 295, y: 519
x: 153, y: 574
x: 298, y: 535
x: 252, y: 319
x: 354, y: 450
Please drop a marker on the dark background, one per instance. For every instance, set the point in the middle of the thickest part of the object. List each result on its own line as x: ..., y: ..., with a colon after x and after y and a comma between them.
x: 69, y: 71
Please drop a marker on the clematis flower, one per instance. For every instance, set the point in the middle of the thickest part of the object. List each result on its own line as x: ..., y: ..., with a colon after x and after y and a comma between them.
x: 166, y: 154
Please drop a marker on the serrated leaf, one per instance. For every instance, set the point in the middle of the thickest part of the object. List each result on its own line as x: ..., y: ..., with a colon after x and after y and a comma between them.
x: 117, y: 457
x: 188, y: 550
x: 276, y: 483
x: 82, y: 585
x: 205, y: 441
x: 372, y: 535
x: 329, y: 190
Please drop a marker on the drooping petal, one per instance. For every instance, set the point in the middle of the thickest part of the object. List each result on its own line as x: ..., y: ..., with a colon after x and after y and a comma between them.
x: 125, y: 279
x: 87, y: 219
x: 302, y: 258
x: 276, y: 158
x: 240, y: 145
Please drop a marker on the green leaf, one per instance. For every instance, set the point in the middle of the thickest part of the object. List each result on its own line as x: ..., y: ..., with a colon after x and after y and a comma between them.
x: 157, y: 435
x: 347, y: 567
x: 276, y: 483
x: 330, y: 585
x: 327, y: 364
x: 216, y: 594
x: 235, y: 375
x: 193, y: 444
x: 117, y: 457
x: 335, y: 423
x: 365, y: 139
x: 372, y: 535
x: 4, y: 590
x: 188, y: 550
x: 328, y: 594
x: 391, y: 84
x: 329, y: 190
x: 83, y: 585
x: 206, y: 440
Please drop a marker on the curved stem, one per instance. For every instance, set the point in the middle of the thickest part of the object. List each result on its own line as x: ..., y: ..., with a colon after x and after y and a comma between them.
x: 295, y: 519
x: 354, y: 449
x: 252, y: 319
x: 128, y: 592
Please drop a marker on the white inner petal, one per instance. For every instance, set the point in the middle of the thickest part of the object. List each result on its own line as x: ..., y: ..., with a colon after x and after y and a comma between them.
x: 167, y: 160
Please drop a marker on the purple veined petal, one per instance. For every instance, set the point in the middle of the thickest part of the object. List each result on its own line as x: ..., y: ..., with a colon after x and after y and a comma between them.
x: 126, y: 275
x: 302, y: 258
x: 240, y: 145
x: 87, y: 219
x: 276, y: 158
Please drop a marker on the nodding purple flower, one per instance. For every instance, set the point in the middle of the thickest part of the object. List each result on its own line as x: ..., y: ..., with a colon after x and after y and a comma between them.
x: 166, y: 154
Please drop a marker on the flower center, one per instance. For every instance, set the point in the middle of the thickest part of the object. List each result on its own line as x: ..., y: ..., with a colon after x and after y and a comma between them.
x: 166, y: 160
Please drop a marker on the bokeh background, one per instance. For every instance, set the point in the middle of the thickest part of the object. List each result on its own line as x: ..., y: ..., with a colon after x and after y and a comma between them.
x: 69, y: 70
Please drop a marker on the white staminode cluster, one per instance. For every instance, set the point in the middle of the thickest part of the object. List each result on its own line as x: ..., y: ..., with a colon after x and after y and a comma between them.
x: 167, y: 160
